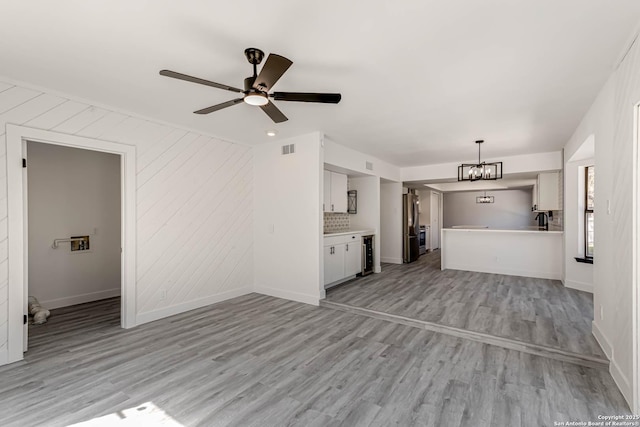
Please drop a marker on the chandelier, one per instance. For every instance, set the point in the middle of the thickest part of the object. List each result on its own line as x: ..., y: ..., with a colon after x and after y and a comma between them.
x: 481, y: 170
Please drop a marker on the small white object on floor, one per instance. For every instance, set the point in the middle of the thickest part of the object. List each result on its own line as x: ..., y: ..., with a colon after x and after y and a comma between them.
x: 39, y: 314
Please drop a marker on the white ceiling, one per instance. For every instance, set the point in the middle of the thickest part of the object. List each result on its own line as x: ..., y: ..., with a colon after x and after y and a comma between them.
x: 420, y: 80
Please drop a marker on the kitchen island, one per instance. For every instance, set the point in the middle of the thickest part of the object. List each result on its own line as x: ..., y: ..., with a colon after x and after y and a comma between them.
x: 528, y: 252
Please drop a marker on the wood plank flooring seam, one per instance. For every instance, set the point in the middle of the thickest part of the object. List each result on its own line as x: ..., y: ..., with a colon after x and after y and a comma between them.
x: 511, y: 344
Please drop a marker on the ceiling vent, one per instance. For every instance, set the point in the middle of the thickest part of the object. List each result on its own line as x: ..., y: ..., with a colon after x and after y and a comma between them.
x: 288, y: 149
x: 369, y: 166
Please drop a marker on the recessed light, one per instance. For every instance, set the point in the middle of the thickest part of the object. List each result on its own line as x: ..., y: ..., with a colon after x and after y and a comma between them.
x: 271, y: 132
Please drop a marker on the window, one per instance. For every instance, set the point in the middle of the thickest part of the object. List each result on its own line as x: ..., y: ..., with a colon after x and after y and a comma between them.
x: 589, y: 186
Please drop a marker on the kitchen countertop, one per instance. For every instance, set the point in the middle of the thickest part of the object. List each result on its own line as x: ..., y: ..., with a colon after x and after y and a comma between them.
x: 354, y: 231
x: 532, y: 229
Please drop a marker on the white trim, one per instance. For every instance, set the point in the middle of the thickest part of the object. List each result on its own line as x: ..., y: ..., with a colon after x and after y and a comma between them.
x: 390, y: 260
x: 15, y: 135
x: 581, y: 286
x: 605, y: 345
x: 292, y: 296
x: 633, y: 398
x: 80, y: 299
x: 151, y: 316
x: 622, y: 382
x: 15, y: 254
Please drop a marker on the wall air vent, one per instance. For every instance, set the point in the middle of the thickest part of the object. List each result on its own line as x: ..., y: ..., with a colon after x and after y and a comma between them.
x: 369, y: 166
x: 288, y: 149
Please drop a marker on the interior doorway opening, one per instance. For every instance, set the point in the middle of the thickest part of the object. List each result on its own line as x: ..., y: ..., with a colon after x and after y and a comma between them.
x: 17, y: 207
x: 73, y: 222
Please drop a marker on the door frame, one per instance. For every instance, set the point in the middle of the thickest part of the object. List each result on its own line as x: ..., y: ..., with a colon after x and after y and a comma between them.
x: 635, y: 277
x: 16, y: 225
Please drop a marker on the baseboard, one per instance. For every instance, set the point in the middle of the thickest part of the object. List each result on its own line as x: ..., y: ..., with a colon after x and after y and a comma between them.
x: 620, y: 379
x: 580, y: 286
x: 605, y: 345
x: 622, y: 382
x: 506, y: 271
x: 151, y: 316
x: 391, y: 260
x: 79, y: 299
x: 293, y: 296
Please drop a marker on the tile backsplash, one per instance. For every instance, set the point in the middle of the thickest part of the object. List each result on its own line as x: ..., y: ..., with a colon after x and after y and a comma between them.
x: 336, y: 222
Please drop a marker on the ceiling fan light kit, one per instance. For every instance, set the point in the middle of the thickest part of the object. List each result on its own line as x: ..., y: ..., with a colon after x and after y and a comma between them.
x: 481, y: 170
x: 256, y: 99
x: 257, y: 87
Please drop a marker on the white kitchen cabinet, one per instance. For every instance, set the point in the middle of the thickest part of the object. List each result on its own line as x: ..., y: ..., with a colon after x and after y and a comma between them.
x: 342, y: 257
x: 334, y: 263
x: 353, y: 257
x: 335, y: 192
x: 326, y: 198
x: 548, y: 196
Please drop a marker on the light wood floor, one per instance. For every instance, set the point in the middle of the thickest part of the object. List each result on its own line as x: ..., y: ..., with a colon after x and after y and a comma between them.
x: 537, y: 311
x: 262, y: 361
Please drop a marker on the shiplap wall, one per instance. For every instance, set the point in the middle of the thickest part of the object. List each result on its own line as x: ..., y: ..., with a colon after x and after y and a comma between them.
x: 610, y: 121
x: 620, y: 313
x: 194, y: 202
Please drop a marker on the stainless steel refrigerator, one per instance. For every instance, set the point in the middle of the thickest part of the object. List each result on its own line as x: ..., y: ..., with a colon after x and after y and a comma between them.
x: 410, y: 228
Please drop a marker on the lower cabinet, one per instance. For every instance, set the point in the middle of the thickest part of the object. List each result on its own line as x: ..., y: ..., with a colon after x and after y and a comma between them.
x: 333, y: 263
x: 342, y: 257
x: 352, y: 258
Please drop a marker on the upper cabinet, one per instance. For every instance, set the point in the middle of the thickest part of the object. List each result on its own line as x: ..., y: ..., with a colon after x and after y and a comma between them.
x: 547, y: 189
x: 335, y: 192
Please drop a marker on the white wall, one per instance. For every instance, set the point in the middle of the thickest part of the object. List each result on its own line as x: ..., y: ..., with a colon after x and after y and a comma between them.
x: 346, y: 158
x: 578, y: 275
x: 368, y: 216
x: 391, y: 222
x: 73, y: 192
x: 194, y: 202
x: 611, y: 121
x: 424, y: 217
x: 288, y: 219
x: 511, y: 209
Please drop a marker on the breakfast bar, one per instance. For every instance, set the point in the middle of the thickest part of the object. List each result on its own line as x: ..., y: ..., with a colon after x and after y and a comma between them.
x: 528, y: 252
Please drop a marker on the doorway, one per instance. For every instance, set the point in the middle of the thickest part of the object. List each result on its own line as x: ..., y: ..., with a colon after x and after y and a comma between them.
x: 73, y: 226
x: 18, y: 274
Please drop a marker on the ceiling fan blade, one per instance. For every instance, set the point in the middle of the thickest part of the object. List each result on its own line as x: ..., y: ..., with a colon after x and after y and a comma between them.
x: 180, y: 76
x: 327, y: 98
x: 219, y: 106
x: 271, y: 72
x: 273, y: 112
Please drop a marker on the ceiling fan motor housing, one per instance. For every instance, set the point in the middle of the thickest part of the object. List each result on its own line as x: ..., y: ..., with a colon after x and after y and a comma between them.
x: 254, y: 55
x: 248, y: 84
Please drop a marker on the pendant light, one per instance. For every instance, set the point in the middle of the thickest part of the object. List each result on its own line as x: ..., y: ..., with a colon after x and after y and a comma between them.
x: 480, y: 170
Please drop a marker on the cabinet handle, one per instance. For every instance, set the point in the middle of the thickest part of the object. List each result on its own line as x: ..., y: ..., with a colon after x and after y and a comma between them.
x: 331, y: 207
x: 347, y: 248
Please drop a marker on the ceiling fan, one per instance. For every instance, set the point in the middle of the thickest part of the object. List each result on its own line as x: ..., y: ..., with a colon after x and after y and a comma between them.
x: 257, y: 87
